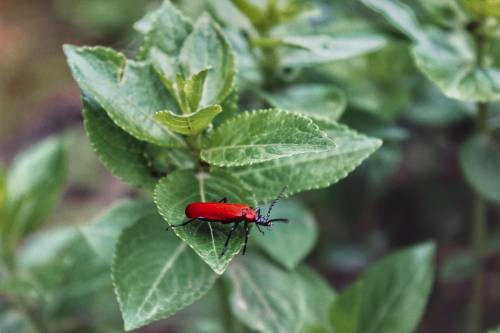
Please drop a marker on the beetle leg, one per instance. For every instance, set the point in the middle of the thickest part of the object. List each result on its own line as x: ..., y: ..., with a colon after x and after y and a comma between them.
x: 258, y: 228
x: 247, y: 230
x: 185, y: 223
x: 224, y: 200
x: 235, y: 225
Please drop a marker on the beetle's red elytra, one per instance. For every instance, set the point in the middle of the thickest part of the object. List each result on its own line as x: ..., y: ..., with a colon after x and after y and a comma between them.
x: 235, y: 213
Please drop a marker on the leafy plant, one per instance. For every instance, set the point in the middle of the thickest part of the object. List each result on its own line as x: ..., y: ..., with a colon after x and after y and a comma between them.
x: 206, y: 109
x: 456, y: 54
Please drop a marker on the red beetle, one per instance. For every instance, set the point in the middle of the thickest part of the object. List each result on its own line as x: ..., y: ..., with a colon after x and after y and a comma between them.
x: 225, y: 213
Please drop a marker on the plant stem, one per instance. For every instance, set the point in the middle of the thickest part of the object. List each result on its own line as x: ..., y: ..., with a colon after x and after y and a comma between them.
x: 478, y: 238
x: 230, y: 324
x: 479, y: 206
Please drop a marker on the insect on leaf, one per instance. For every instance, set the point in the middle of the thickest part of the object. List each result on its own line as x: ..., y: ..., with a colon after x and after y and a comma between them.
x: 174, y: 192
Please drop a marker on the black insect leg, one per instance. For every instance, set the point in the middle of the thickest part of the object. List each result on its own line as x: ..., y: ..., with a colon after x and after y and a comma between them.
x: 235, y: 225
x: 258, y: 228
x: 224, y: 200
x: 279, y: 220
x: 247, y: 231
x: 184, y: 223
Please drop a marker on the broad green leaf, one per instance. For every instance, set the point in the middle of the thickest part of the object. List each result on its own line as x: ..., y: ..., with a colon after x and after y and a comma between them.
x: 207, y: 47
x: 189, y: 124
x: 174, y: 192
x: 450, y: 61
x: 289, y: 243
x: 103, y: 234
x: 13, y: 321
x: 480, y: 162
x: 271, y: 300
x: 72, y: 261
x: 34, y: 185
x: 263, y: 135
x: 317, y: 101
x: 400, y: 15
x: 318, y: 49
x: 63, y: 266
x: 120, y: 153
x: 164, y: 29
x: 495, y: 330
x: 130, y: 91
x: 309, y: 171
x: 393, y: 293
x: 345, y: 311
x: 155, y: 274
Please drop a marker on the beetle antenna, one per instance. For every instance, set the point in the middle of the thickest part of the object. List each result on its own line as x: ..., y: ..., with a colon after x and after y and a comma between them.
x: 280, y: 195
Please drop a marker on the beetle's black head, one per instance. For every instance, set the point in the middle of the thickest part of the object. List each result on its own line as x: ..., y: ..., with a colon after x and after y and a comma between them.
x: 264, y: 220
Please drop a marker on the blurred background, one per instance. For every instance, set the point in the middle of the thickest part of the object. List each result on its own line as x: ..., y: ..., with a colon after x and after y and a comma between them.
x: 409, y: 191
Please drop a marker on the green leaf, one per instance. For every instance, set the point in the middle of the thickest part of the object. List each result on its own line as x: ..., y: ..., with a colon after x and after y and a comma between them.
x: 289, y: 243
x: 319, y: 49
x: 263, y: 135
x: 400, y: 15
x: 193, y: 89
x: 174, y: 192
x: 130, y: 92
x: 54, y: 261
x: 155, y: 274
x: 164, y: 29
x: 120, y: 153
x: 103, y: 234
x: 440, y: 55
x: 480, y: 162
x: 73, y: 261
x: 317, y: 101
x: 271, y: 300
x: 207, y: 47
x: 309, y: 171
x: 34, y: 185
x: 13, y: 321
x: 189, y: 124
x: 393, y: 293
x: 345, y: 311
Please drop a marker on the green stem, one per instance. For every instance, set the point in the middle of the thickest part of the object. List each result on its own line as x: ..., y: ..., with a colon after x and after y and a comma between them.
x: 230, y: 323
x: 480, y: 206
x: 478, y: 239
